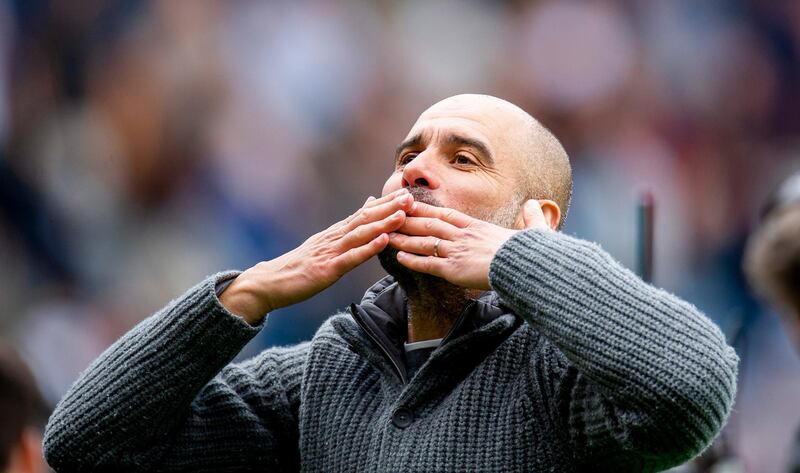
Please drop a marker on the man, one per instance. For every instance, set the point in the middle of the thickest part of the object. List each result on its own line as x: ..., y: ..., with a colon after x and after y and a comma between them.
x: 772, y: 264
x: 498, y: 343
x: 22, y: 415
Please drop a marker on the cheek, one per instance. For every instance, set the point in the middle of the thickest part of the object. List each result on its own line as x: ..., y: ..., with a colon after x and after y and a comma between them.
x: 395, y: 182
x: 481, y: 203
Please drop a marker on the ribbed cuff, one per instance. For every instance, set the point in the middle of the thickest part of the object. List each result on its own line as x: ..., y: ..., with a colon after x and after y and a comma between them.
x: 209, y: 323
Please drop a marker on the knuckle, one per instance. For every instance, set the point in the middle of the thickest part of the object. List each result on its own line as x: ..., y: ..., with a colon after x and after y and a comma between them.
x: 380, y: 224
x: 334, y: 265
x: 358, y: 233
x: 369, y: 231
x: 341, y: 228
x: 339, y: 265
x: 335, y: 234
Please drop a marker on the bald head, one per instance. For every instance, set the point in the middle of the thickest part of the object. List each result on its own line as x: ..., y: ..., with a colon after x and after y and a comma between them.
x: 540, y: 164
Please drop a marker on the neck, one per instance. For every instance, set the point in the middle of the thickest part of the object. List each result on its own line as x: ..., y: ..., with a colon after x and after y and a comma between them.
x: 433, y: 308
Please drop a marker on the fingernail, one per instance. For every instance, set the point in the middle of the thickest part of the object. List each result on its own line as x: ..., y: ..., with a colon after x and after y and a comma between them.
x: 397, y: 214
x: 414, y: 206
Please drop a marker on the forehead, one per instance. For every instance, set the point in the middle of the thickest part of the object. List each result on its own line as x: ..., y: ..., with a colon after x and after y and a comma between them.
x: 497, y: 127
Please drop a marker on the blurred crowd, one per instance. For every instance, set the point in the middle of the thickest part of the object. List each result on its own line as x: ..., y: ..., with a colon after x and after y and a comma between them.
x: 146, y: 144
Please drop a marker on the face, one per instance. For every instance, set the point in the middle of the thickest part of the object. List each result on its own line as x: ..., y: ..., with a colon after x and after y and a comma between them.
x: 459, y: 154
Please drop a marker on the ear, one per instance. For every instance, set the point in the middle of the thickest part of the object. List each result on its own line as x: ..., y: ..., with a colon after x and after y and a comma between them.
x: 539, y: 214
x: 552, y: 213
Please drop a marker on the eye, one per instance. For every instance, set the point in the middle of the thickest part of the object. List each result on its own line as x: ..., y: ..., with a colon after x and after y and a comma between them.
x: 406, y: 158
x: 463, y: 159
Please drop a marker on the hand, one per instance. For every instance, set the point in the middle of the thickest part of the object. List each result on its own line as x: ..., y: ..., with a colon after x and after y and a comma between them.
x: 465, y: 245
x: 319, y: 261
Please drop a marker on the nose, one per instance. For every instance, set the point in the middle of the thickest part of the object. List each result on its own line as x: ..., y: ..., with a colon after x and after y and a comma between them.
x: 421, y: 172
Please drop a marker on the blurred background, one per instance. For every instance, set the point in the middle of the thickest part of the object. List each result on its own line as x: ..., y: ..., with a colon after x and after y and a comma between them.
x: 147, y: 144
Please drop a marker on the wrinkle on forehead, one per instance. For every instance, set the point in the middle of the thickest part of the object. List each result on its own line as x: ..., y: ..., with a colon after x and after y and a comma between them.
x: 500, y: 120
x: 503, y: 125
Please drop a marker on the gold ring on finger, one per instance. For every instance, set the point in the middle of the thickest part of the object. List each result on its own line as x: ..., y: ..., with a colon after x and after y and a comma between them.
x: 436, y: 247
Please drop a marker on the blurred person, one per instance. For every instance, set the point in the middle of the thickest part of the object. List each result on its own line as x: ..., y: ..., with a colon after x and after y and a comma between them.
x: 22, y: 415
x: 497, y: 343
x: 772, y: 265
x: 772, y: 260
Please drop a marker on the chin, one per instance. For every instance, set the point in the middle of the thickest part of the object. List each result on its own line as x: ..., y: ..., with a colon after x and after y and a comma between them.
x: 388, y: 260
x: 388, y: 257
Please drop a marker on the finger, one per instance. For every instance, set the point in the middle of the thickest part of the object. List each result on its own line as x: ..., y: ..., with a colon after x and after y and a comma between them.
x: 387, y: 197
x: 532, y: 215
x: 355, y: 256
x: 452, y: 216
x: 369, y: 214
x: 364, y: 233
x: 422, y: 264
x: 366, y: 215
x: 424, y: 226
x: 425, y: 246
x: 373, y: 202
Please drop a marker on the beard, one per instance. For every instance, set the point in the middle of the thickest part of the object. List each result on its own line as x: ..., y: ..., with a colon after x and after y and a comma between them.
x: 435, y: 294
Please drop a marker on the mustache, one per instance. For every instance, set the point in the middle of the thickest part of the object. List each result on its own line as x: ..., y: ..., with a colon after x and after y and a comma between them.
x: 421, y: 194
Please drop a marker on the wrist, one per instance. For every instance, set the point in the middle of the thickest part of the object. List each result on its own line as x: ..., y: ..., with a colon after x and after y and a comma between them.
x: 241, y: 299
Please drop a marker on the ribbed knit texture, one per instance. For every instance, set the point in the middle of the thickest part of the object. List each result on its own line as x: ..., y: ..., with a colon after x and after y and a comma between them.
x: 608, y: 374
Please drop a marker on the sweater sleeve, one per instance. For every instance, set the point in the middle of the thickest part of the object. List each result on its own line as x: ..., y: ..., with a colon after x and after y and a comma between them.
x: 162, y: 399
x: 649, y: 381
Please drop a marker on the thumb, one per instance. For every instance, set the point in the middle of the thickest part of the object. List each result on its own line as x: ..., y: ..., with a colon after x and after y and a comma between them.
x: 532, y: 215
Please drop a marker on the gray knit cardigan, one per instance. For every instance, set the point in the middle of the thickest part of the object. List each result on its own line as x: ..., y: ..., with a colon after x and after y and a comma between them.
x: 584, y: 368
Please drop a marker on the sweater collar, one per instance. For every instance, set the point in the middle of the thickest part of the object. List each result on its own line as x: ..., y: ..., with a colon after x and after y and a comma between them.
x: 386, y: 305
x: 383, y: 312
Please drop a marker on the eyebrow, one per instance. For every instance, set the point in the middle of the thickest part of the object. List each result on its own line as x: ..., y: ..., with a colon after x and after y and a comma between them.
x: 412, y: 142
x: 451, y: 139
